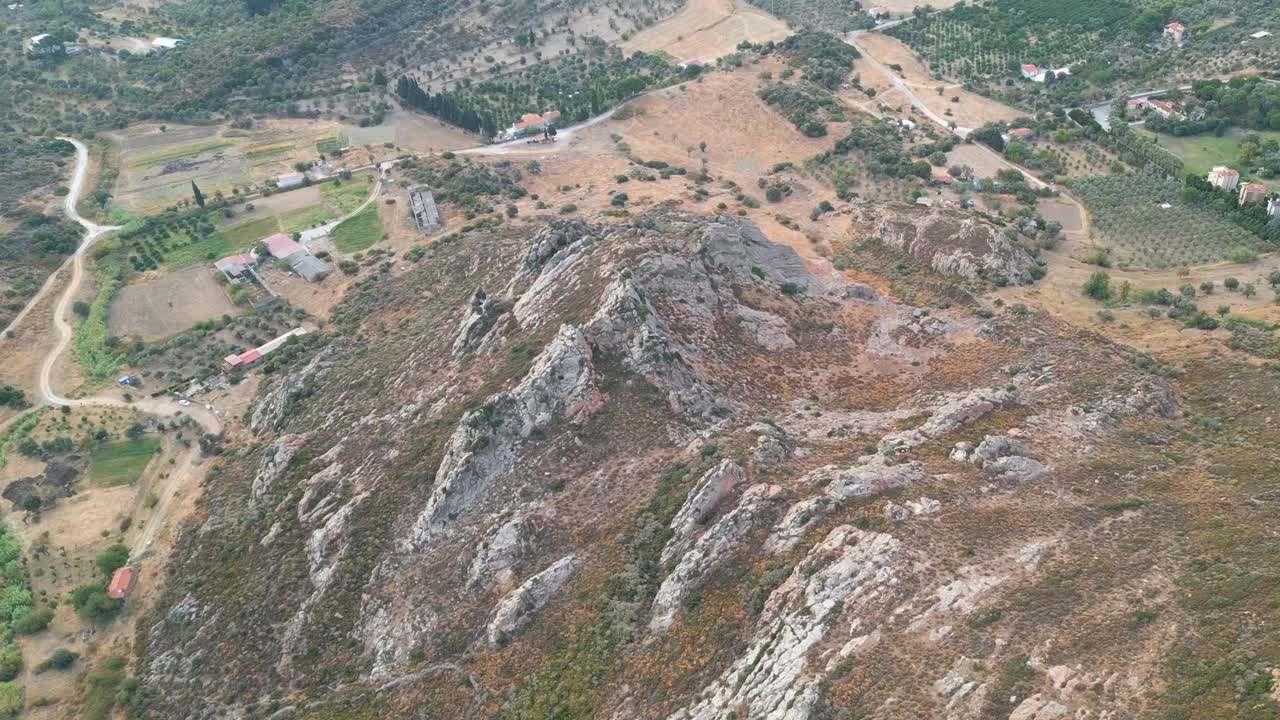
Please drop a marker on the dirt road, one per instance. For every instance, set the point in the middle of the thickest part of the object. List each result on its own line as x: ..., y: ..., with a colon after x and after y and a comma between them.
x: 156, y: 406
x: 852, y: 39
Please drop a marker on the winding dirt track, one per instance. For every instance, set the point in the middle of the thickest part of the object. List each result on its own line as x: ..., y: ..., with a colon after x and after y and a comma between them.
x: 161, y: 406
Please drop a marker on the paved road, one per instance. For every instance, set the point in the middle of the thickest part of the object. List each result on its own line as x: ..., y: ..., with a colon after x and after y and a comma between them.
x: 852, y: 39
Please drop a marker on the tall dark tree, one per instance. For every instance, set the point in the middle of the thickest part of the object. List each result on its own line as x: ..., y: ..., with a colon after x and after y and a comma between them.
x: 198, y: 195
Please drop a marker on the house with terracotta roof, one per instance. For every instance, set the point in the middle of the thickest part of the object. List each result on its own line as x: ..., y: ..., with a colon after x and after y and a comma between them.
x: 1174, y: 32
x: 531, y: 123
x: 1163, y: 108
x: 1030, y: 72
x: 300, y: 260
x: 1224, y: 178
x: 1253, y: 193
x: 121, y: 582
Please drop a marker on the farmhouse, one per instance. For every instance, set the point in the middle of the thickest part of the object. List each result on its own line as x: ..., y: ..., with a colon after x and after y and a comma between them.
x: 425, y: 212
x: 1163, y: 108
x: 167, y: 43
x: 1030, y: 72
x: 121, y: 582
x: 254, y: 357
x: 1017, y: 134
x: 290, y: 180
x: 1224, y: 178
x: 300, y: 260
x: 1174, y: 32
x: 1251, y: 193
x: 943, y: 177
x: 879, y: 14
x: 530, y: 123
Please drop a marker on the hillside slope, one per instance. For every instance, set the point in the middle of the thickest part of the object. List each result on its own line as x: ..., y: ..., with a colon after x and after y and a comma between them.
x: 664, y: 469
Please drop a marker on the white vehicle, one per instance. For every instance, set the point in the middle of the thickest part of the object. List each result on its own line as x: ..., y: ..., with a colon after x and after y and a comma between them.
x: 184, y: 402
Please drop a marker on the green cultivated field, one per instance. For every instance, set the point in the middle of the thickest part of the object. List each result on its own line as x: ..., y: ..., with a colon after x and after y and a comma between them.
x: 358, y: 232
x: 335, y: 201
x: 120, y: 463
x: 181, y: 151
x: 1200, y: 153
x: 328, y: 145
x: 1127, y: 213
x: 221, y: 244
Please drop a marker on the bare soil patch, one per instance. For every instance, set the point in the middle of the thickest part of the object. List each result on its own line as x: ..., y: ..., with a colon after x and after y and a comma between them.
x: 707, y: 29
x: 168, y: 304
x: 1068, y: 214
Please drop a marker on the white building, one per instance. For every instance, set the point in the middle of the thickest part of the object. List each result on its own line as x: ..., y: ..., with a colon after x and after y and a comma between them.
x: 1273, y: 207
x: 1224, y: 178
x: 1031, y: 72
x: 289, y: 180
x: 1174, y: 32
x: 167, y: 43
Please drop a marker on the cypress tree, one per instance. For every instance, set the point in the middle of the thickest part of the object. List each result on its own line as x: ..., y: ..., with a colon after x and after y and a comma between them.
x: 199, y: 196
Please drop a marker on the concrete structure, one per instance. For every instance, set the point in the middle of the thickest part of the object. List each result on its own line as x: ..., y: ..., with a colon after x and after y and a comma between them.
x: 1174, y: 32
x: 1273, y: 207
x: 121, y: 582
x: 1030, y: 72
x: 1224, y: 178
x: 1251, y: 193
x: 906, y: 124
x: 309, y: 267
x: 879, y: 14
x: 251, y: 358
x: 425, y: 212
x: 167, y: 43
x: 1260, y: 34
x: 290, y: 180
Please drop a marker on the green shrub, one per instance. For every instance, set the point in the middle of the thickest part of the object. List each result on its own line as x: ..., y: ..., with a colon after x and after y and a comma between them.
x: 61, y: 659
x: 33, y: 621
x: 1098, y: 286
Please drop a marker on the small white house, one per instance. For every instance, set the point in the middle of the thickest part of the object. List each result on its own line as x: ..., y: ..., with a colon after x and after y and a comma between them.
x: 1260, y: 34
x: 167, y: 43
x: 1174, y: 32
x: 1031, y: 72
x: 1224, y: 178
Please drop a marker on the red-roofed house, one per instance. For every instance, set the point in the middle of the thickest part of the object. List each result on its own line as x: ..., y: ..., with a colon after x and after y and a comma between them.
x: 942, y: 177
x: 1021, y: 133
x: 249, y: 358
x: 1253, y: 193
x: 282, y: 246
x: 121, y: 582
x: 1030, y: 71
x: 233, y: 266
x: 1175, y: 31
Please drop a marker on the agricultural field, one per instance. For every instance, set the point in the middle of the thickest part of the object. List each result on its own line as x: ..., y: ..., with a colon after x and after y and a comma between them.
x: 336, y: 199
x: 158, y: 163
x: 1127, y: 213
x: 161, y: 306
x: 1200, y: 153
x: 189, y: 239
x: 330, y: 145
x: 976, y: 42
x: 121, y: 462
x: 358, y: 232
x: 707, y: 29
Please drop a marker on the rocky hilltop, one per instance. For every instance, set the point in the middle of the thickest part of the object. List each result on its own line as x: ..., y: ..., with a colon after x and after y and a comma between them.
x: 666, y: 469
